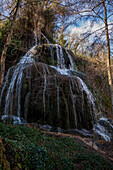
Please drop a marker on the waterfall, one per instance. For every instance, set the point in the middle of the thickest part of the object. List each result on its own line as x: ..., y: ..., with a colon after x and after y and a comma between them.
x: 81, y: 83
x: 88, y: 92
x: 60, y: 57
x: 9, y: 96
x: 15, y: 119
x: 45, y: 84
x: 102, y: 132
x: 73, y: 101
x: 17, y: 73
x: 16, y: 78
x: 26, y: 105
x: 104, y: 128
x: 12, y: 89
x: 5, y: 83
x: 18, y: 91
x: 58, y: 105
x: 71, y: 61
x: 85, y: 88
x: 51, y: 47
x: 61, y: 67
x: 45, y: 73
x: 48, y: 42
x: 58, y: 101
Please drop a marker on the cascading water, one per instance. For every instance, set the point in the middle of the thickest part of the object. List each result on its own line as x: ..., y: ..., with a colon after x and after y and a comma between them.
x: 104, y: 129
x: 71, y: 61
x: 59, y: 84
x: 45, y: 38
x: 18, y: 74
x: 60, y: 57
x: 45, y: 71
x: 91, y: 99
x: 45, y: 81
x: 51, y: 47
x: 73, y: 99
x: 16, y: 79
x: 58, y: 101
x: 26, y: 105
x: 5, y: 83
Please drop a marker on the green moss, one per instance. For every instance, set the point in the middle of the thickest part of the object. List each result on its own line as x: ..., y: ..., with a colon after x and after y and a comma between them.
x: 25, y: 86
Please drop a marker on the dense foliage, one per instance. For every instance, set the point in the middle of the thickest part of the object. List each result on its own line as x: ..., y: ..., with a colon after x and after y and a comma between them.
x: 32, y: 149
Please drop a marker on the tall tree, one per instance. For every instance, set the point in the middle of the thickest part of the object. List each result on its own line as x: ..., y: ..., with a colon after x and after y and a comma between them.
x: 3, y: 56
x: 108, y: 53
x: 95, y: 11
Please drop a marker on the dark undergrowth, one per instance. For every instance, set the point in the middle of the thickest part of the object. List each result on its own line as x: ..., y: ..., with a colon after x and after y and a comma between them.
x: 31, y: 149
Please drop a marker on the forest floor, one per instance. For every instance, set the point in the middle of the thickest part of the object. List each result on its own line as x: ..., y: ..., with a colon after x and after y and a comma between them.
x: 33, y: 148
x: 103, y: 147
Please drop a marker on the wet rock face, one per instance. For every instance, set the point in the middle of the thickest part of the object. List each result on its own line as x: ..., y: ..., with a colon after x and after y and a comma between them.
x: 48, y: 54
x: 55, y: 99
x: 44, y: 88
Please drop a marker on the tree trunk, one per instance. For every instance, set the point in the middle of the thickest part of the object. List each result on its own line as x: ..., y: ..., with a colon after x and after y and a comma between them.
x: 108, y: 56
x: 37, y: 22
x: 3, y: 56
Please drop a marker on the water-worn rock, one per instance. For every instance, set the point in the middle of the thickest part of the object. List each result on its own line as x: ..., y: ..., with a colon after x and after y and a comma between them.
x: 56, y: 99
x: 46, y: 88
x: 105, y: 129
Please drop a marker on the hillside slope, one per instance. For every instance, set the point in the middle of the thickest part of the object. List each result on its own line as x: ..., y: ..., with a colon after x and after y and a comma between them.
x: 32, y: 148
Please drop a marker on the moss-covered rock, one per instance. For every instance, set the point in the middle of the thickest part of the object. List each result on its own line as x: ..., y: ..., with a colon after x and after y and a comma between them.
x: 56, y: 99
x: 47, y: 53
x: 42, y: 93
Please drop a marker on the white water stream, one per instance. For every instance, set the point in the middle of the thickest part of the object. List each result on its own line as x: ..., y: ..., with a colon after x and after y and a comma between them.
x: 16, y: 79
